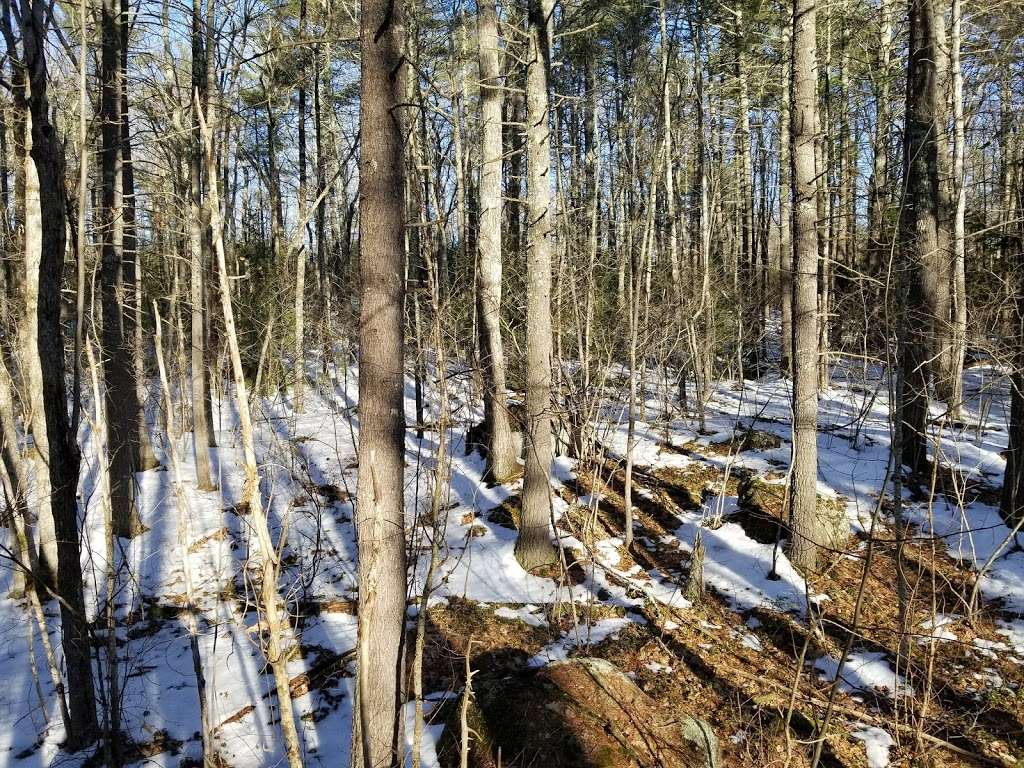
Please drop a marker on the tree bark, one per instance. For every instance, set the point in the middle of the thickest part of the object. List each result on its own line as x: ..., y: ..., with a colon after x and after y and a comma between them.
x: 786, y: 201
x: 142, y: 447
x: 380, y: 509
x: 533, y: 545
x: 959, y: 332
x: 28, y: 221
x: 270, y: 600
x: 878, y: 183
x: 301, y: 254
x: 197, y: 224
x: 803, y: 549
x: 502, y: 460
x: 939, y: 284
x: 919, y: 234
x: 1012, y: 503
x: 45, y: 197
x: 749, y: 332
x: 120, y: 389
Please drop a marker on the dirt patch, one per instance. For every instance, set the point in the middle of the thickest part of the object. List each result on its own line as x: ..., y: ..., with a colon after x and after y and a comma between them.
x: 498, y: 644
x: 507, y: 513
x: 333, y: 493
x: 582, y: 712
x: 745, y: 673
x: 743, y: 439
x: 219, y: 535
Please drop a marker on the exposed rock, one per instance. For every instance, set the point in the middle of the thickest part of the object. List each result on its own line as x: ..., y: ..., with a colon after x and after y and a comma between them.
x: 762, y: 513
x: 755, y: 440
x: 689, y: 485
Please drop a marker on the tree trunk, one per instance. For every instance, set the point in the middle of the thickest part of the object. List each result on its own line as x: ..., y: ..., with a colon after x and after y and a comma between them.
x: 959, y: 334
x: 939, y: 284
x: 45, y: 198
x: 142, y: 447
x: 533, y: 546
x: 380, y: 509
x: 120, y: 390
x: 786, y: 201
x: 919, y: 234
x: 749, y: 332
x: 275, y: 652
x: 184, y: 531
x: 299, y: 351
x: 31, y: 379
x: 201, y: 424
x: 502, y: 460
x: 822, y: 168
x: 1012, y: 502
x: 803, y: 549
x: 878, y: 184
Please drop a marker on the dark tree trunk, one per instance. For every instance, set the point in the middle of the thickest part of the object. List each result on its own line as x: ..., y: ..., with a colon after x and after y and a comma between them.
x: 142, y: 448
x: 1013, y: 480
x: 919, y: 238
x: 121, y: 394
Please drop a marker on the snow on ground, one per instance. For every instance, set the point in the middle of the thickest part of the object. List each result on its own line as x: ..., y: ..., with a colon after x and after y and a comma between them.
x: 582, y: 636
x: 748, y: 573
x: 308, y: 463
x: 877, y: 744
x: 866, y: 672
x: 528, y: 614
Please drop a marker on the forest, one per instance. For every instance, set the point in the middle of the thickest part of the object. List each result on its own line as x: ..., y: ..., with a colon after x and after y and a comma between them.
x: 576, y: 384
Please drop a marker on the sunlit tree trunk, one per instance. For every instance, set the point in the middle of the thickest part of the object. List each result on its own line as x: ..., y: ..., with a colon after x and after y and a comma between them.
x: 803, y: 484
x: 786, y: 200
x: 252, y: 499
x: 502, y: 458
x: 940, y: 287
x: 533, y: 546
x: 380, y: 509
x: 201, y: 426
x: 142, y: 446
x: 959, y: 333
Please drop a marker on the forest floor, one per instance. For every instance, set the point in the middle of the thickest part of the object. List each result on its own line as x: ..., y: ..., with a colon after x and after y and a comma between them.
x: 760, y: 651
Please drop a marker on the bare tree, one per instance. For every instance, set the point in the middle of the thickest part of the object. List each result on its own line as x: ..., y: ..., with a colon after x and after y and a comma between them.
x: 142, y: 446
x: 301, y: 254
x: 1012, y: 502
x: 959, y: 284
x: 878, y: 182
x: 252, y: 499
